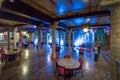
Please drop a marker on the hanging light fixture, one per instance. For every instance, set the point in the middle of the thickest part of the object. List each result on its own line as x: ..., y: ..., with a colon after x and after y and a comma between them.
x: 86, y: 24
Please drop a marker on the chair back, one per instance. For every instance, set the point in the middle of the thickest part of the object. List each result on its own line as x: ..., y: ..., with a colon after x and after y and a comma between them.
x: 28, y: 44
x: 81, y: 63
x: 56, y: 60
x: 19, y: 54
x: 62, y: 71
x: 88, y: 50
x: 2, y: 49
x: 3, y: 56
x: 67, y: 56
x: 81, y: 50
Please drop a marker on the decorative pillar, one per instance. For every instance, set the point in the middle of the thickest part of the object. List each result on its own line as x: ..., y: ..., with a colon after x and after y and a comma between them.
x: 14, y: 37
x: 39, y: 38
x: 72, y: 38
x: 59, y: 37
x: 64, y: 37
x: 53, y: 27
x: 69, y: 38
x: 30, y: 36
x: 115, y: 40
x: 8, y: 39
x: 1, y: 3
x: 115, y: 36
x: 20, y: 37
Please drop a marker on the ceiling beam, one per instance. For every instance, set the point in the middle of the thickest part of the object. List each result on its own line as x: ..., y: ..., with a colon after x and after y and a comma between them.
x: 36, y: 3
x: 23, y: 8
x: 94, y: 13
x: 4, y: 25
x: 93, y: 26
x: 14, y: 17
x: 53, y: 3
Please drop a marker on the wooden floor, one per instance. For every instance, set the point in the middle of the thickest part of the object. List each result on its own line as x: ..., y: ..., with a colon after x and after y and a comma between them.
x: 32, y: 66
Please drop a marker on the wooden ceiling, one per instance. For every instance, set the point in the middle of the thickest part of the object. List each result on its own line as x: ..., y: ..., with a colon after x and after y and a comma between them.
x: 70, y: 13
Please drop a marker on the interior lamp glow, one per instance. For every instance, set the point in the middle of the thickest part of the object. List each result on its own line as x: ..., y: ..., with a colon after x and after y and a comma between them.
x: 86, y: 30
x: 86, y: 25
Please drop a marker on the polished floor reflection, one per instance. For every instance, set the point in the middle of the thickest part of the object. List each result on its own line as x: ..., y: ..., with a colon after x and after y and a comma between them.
x: 41, y: 67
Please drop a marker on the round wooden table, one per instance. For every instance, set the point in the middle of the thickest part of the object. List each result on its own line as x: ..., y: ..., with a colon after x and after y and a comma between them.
x: 11, y: 54
x: 70, y: 63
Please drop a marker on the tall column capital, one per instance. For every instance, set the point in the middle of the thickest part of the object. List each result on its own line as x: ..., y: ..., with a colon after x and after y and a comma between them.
x: 39, y: 26
x: 1, y: 3
x: 14, y: 37
x: 53, y: 26
x: 109, y: 2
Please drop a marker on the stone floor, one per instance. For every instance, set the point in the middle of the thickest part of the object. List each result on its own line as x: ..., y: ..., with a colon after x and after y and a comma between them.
x: 32, y: 66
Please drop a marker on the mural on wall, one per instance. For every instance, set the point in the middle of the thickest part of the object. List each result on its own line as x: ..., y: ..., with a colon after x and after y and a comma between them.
x: 100, y: 37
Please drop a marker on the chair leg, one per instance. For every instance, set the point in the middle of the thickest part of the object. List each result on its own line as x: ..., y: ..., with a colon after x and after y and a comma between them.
x: 82, y: 73
x: 75, y: 73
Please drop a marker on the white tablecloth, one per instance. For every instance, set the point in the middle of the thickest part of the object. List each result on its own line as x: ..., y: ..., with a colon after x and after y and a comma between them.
x: 69, y: 63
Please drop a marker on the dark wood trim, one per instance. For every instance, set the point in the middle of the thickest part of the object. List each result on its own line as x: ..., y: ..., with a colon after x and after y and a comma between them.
x: 93, y: 26
x: 53, y: 3
x: 23, y: 8
x: 5, y: 25
x: 95, y: 13
x: 42, y: 7
x: 14, y: 17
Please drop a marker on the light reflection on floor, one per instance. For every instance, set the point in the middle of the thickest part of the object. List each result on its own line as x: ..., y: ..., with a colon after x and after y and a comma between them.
x: 34, y: 67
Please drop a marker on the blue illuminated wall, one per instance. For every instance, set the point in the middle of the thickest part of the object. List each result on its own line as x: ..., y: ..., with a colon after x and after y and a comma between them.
x: 36, y: 38
x: 62, y: 39
x: 80, y: 37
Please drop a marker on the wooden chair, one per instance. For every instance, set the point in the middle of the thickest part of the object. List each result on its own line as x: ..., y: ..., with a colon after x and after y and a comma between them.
x: 67, y: 56
x: 79, y: 69
x: 88, y: 51
x: 19, y: 54
x: 81, y: 51
x: 63, y: 72
x: 4, y: 57
x: 57, y: 48
x: 56, y: 64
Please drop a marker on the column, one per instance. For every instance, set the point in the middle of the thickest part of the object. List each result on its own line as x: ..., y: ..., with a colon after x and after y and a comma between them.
x: 39, y: 38
x: 30, y: 36
x: 59, y: 37
x: 64, y: 35
x: 115, y: 40
x: 53, y: 27
x: 1, y: 3
x: 14, y: 37
x: 8, y: 39
x: 72, y: 38
x: 69, y: 38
